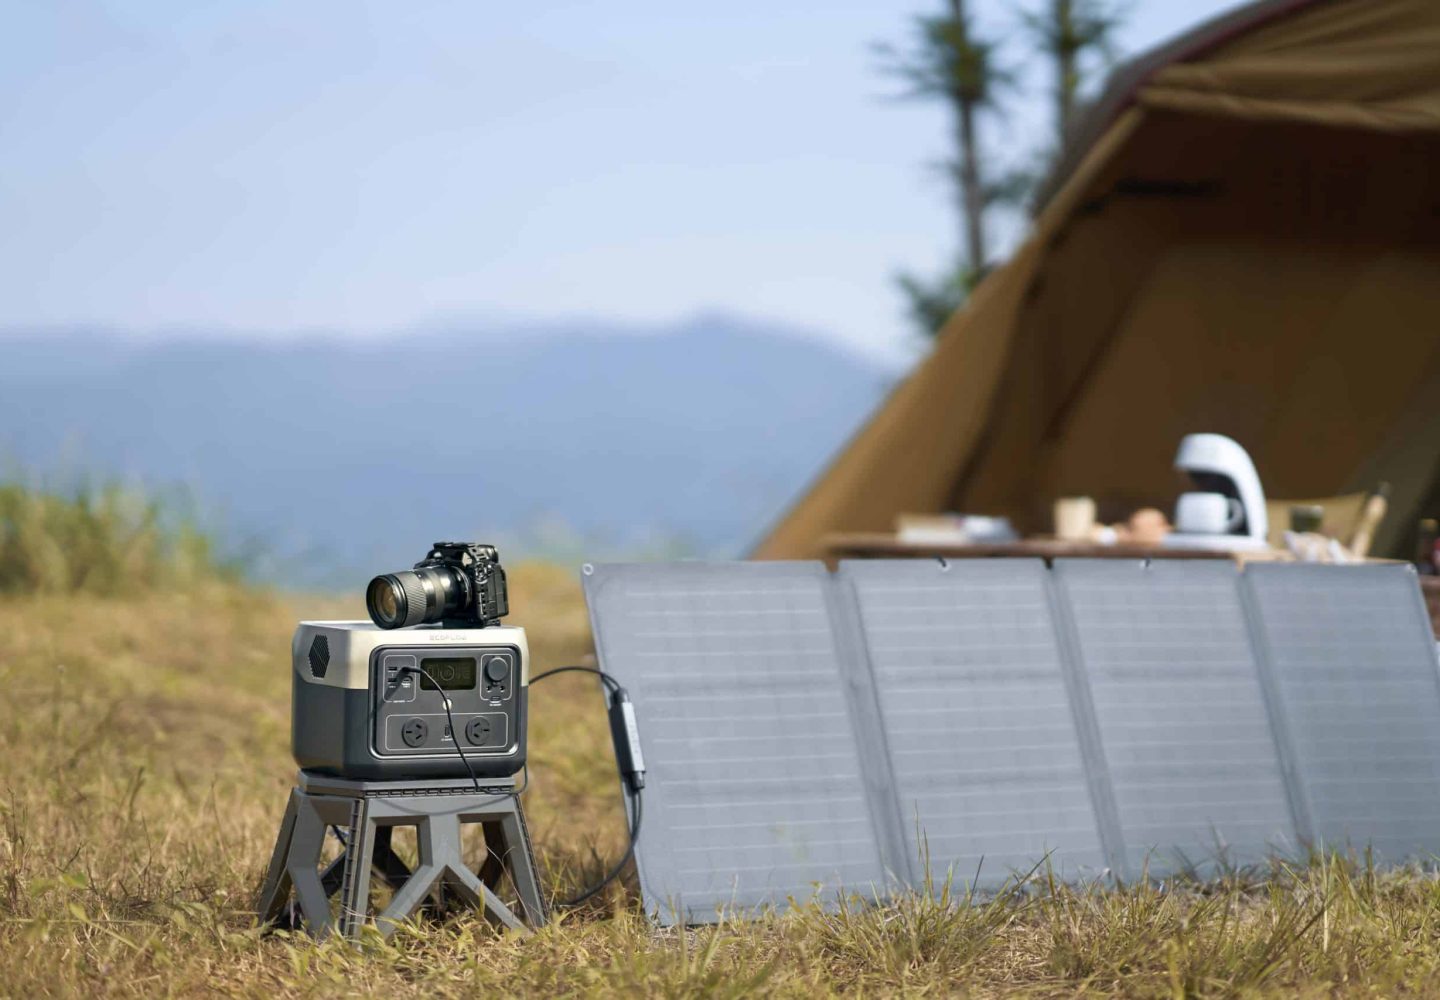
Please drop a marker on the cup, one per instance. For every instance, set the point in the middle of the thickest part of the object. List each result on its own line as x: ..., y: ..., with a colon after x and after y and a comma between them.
x: 1208, y: 514
x: 1074, y: 519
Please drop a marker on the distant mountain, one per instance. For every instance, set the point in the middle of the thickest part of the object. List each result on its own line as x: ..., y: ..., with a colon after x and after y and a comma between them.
x: 345, y: 456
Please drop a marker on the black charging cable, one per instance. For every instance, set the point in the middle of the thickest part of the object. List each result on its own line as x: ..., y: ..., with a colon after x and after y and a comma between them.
x: 454, y: 735
x: 450, y: 722
x: 625, y: 736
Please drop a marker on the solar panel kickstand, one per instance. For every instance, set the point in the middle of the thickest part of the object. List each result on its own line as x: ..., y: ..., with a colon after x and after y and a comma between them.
x: 369, y: 811
x: 877, y: 770
x: 1087, y: 724
x: 1296, y: 795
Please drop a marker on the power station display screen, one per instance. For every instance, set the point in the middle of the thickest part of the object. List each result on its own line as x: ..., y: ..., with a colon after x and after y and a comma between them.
x: 455, y: 673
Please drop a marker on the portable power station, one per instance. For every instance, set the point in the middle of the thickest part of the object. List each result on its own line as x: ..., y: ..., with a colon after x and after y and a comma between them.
x: 370, y: 703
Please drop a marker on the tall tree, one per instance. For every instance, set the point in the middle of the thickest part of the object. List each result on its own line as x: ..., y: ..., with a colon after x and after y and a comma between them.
x: 1068, y: 31
x: 968, y: 78
x: 948, y: 59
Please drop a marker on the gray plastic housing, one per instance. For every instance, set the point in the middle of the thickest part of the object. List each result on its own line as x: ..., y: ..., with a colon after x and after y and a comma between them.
x: 352, y: 700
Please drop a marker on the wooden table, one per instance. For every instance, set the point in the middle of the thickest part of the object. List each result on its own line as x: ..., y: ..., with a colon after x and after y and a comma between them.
x: 878, y: 545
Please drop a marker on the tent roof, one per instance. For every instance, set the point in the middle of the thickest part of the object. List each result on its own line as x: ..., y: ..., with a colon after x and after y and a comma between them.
x: 1126, y: 80
x: 1246, y: 240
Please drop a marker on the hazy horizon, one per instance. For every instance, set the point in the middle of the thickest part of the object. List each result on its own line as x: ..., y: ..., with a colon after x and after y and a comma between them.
x: 332, y: 457
x: 476, y: 328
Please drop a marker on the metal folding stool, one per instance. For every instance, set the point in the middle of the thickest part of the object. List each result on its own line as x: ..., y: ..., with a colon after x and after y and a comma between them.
x: 370, y: 811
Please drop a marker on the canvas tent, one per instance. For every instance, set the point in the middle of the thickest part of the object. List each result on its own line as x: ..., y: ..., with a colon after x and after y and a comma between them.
x: 1242, y: 237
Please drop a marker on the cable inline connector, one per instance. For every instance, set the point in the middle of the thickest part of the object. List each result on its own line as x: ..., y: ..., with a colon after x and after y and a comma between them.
x: 625, y: 735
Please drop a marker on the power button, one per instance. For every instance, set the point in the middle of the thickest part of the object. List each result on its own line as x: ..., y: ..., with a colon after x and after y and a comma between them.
x: 496, y: 669
x: 497, y: 678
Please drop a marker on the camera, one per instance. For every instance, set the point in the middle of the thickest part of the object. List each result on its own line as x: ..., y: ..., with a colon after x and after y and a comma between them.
x: 432, y: 687
x: 460, y: 584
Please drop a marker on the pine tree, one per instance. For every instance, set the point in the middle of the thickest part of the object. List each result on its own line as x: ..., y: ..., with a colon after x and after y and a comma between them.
x: 951, y: 61
x: 1068, y: 31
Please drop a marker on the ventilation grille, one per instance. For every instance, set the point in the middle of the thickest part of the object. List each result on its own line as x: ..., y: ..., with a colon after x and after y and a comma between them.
x: 319, y: 656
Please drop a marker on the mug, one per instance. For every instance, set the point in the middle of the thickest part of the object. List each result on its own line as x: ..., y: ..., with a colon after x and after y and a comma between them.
x: 1208, y: 514
x: 1074, y: 519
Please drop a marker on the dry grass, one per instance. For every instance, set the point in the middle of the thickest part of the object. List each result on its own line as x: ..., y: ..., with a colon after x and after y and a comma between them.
x: 146, y: 761
x: 105, y: 540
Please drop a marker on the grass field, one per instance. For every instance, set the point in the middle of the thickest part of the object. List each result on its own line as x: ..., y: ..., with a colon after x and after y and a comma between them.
x: 146, y: 763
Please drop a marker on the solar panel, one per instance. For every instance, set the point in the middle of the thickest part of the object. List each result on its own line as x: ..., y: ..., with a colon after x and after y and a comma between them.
x: 971, y: 689
x: 755, y: 791
x: 1353, y: 661
x: 1183, y: 723
x: 814, y: 734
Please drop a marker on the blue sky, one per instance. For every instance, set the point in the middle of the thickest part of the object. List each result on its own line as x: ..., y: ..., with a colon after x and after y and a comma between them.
x: 369, y: 168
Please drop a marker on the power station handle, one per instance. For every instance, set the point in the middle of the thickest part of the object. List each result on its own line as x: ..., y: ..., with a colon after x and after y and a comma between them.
x: 626, y: 736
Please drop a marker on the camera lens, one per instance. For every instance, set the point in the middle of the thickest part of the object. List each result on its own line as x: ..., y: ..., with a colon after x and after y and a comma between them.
x: 415, y: 597
x: 387, y: 601
x: 382, y: 598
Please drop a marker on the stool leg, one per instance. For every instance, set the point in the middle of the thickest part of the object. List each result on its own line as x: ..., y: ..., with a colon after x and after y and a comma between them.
x: 442, y: 834
x: 464, y: 883
x: 408, y: 898
x: 359, y: 855
x: 275, y: 891
x: 306, y: 843
x: 369, y: 853
x: 520, y: 863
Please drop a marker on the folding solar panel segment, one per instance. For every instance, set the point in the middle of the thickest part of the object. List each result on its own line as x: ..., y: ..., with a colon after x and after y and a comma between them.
x: 755, y: 791
x: 1353, y: 658
x: 972, y: 694
x: 1184, y: 727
